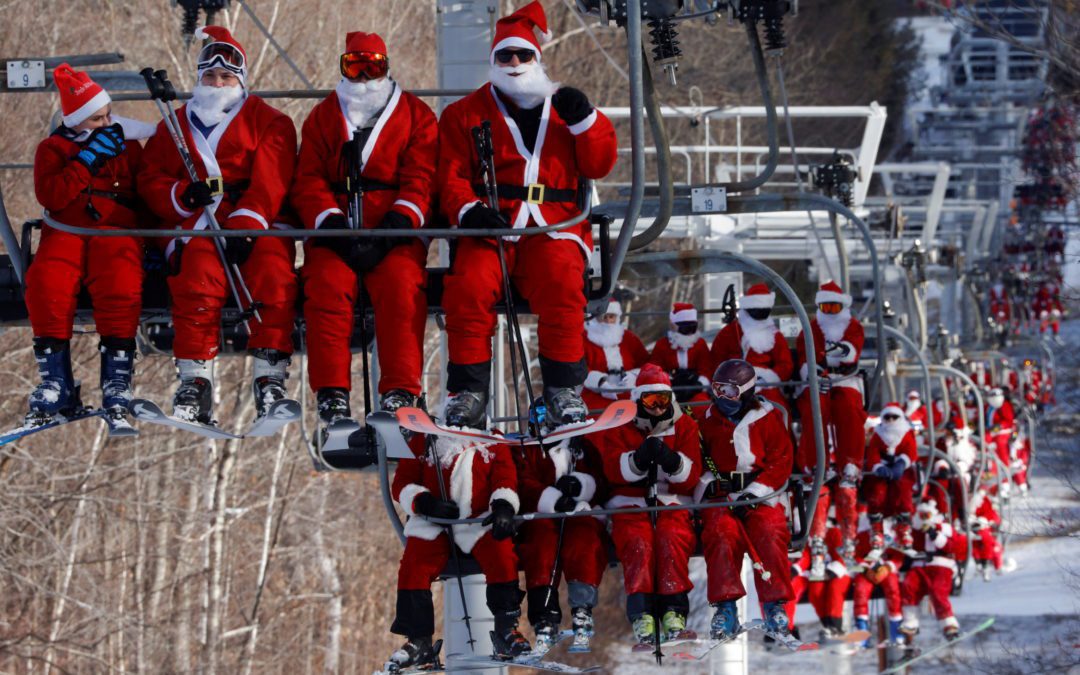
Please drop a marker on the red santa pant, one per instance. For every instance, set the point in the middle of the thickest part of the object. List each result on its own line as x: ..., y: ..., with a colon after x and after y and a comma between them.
x: 889, y: 497
x: 396, y: 288
x: 848, y: 420
x: 666, y: 549
x: 424, y: 560
x: 932, y: 580
x: 584, y: 551
x: 1023, y: 454
x: 1000, y: 443
x: 864, y: 588
x: 200, y: 291
x: 986, y: 548
x: 549, y: 273
x: 807, y: 448
x: 798, y: 587
x: 725, y: 541
x: 109, y: 267
x: 847, y: 516
x: 827, y: 597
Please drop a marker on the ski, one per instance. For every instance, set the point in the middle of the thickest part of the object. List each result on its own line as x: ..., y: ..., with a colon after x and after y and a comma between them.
x: 280, y: 413
x: 524, y: 661
x: 56, y: 421
x: 939, y: 647
x: 788, y: 641
x: 685, y: 637
x: 710, y: 644
x: 148, y: 411
x: 118, y: 423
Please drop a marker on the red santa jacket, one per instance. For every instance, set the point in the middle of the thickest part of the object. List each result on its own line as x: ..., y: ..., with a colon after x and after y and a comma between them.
x: 671, y: 358
x: 1002, y: 419
x: 941, y: 543
x: 474, y: 476
x: 65, y: 187
x: 561, y: 155
x: 999, y: 305
x: 1032, y: 386
x: 401, y: 152
x: 539, y: 469
x: 253, y: 149
x: 771, y: 359
x: 852, y: 338
x: 630, y: 354
x: 983, y: 510
x: 626, y: 487
x: 906, y: 449
x: 759, y: 443
x: 867, y: 556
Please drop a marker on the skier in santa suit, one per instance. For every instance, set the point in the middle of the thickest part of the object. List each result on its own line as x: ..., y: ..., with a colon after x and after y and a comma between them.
x: 684, y: 355
x: 1047, y: 308
x: 661, y: 442
x: 932, y: 574
x: 546, y: 139
x: 827, y: 596
x: 838, y: 342
x: 1000, y: 422
x: 916, y: 412
x: 747, y: 453
x: 244, y: 153
x: 480, y: 480
x: 1000, y: 309
x: 986, y: 549
x: 890, y: 456
x: 613, y: 356
x: 84, y: 175
x: 566, y: 477
x: 399, y: 134
x: 755, y: 338
x: 1031, y: 382
x: 876, y: 568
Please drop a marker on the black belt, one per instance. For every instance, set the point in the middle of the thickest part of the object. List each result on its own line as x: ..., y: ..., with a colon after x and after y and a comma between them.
x: 534, y: 193
x: 231, y: 191
x: 125, y: 200
x: 342, y: 187
x: 730, y: 481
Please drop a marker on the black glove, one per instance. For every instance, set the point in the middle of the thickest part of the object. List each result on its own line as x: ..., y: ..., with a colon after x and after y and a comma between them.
x: 740, y: 510
x: 501, y: 520
x: 340, y: 245
x: 648, y: 452
x: 395, y: 221
x: 238, y: 249
x: 196, y: 195
x: 481, y: 217
x: 104, y: 144
x: 569, y: 486
x: 669, y: 460
x: 571, y: 104
x: 565, y: 504
x: 427, y: 504
x: 367, y: 253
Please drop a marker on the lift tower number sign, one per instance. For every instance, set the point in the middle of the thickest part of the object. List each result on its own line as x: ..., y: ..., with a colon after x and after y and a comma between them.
x: 708, y: 200
x: 25, y: 74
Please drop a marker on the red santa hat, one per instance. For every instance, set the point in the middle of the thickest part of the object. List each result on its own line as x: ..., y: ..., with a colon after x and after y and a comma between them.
x: 80, y: 97
x: 651, y: 377
x: 683, y: 311
x: 359, y: 41
x: 914, y: 393
x: 757, y: 296
x: 830, y: 291
x: 892, y: 408
x: 525, y: 29
x: 220, y: 35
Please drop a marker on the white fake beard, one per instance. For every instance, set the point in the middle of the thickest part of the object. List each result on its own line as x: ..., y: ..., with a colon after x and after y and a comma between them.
x: 683, y: 342
x: 893, y: 432
x: 833, y: 326
x: 447, y: 449
x: 759, y: 336
x: 604, y: 334
x: 996, y: 401
x: 363, y: 100
x: 911, y: 407
x: 528, y: 88
x: 212, y: 104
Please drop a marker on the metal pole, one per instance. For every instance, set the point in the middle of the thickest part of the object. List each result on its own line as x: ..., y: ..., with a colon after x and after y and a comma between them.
x: 280, y: 50
x: 11, y: 243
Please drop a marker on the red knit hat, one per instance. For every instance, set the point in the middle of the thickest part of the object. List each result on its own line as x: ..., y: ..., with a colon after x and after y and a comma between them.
x: 220, y: 35
x: 757, y: 296
x: 525, y: 29
x: 80, y: 97
x: 683, y: 311
x: 830, y: 291
x: 365, y: 42
x: 651, y: 377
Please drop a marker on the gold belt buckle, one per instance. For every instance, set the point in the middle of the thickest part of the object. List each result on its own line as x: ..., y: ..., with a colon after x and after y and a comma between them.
x: 535, y: 193
x: 216, y: 185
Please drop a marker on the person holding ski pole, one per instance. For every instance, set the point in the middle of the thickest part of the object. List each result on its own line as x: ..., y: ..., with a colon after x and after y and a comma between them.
x: 84, y: 175
x: 244, y: 152
x: 545, y: 139
x: 395, y: 136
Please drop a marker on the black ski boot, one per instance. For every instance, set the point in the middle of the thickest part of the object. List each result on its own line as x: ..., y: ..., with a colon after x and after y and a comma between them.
x: 117, y: 367
x: 396, y: 398
x: 58, y: 392
x: 506, y: 640
x: 268, y: 382
x: 415, y: 654
x: 466, y: 409
x: 564, y: 406
x: 194, y: 398
x: 333, y: 403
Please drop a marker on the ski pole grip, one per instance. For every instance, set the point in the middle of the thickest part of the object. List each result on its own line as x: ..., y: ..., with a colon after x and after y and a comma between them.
x: 152, y: 85
x: 168, y: 93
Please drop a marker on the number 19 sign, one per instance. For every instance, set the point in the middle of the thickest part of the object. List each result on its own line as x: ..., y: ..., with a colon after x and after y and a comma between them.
x: 708, y: 200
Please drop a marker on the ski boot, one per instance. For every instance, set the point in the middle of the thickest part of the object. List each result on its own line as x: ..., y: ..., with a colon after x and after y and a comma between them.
x: 863, y: 623
x: 58, y: 392
x: 776, y: 619
x: 951, y: 628
x: 564, y: 405
x: 333, y: 404
x: 194, y: 398
x: 896, y: 636
x: 117, y: 367
x: 831, y: 628
x: 581, y: 620
x: 547, y: 634
x: 673, y: 627
x: 396, y: 398
x: 466, y: 409
x: 506, y: 640
x: 725, y: 620
x: 817, y: 559
x: 415, y: 654
x: 984, y: 570
x: 268, y: 381
x: 909, y: 627
x: 645, y: 630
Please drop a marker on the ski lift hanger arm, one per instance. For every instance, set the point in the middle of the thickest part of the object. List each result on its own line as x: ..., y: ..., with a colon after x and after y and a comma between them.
x: 292, y: 93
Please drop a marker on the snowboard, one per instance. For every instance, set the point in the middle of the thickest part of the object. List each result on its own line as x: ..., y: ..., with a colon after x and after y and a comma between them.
x: 148, y: 411
x: 56, y: 421
x: 925, y: 653
x: 685, y: 637
x: 530, y: 661
x: 699, y: 650
x: 329, y: 447
x: 285, y: 411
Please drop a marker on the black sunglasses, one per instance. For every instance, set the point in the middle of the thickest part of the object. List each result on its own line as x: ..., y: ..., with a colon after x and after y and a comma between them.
x: 890, y: 418
x: 507, y: 55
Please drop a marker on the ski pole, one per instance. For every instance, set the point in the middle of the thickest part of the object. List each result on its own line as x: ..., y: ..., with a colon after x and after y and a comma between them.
x: 651, y: 499
x: 562, y: 527
x: 356, y: 222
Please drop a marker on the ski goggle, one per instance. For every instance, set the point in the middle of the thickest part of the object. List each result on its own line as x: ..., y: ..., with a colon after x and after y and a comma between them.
x: 656, y: 399
x: 505, y: 56
x: 371, y: 65
x: 686, y: 327
x: 726, y: 390
x: 221, y: 55
x: 891, y: 417
x: 831, y: 307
